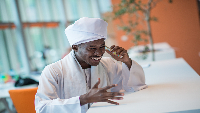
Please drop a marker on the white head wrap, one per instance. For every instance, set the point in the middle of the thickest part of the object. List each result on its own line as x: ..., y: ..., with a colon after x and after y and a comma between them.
x: 86, y: 29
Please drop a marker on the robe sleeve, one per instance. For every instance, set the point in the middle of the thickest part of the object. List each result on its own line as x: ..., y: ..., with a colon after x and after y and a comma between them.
x: 47, y: 98
x: 133, y: 79
x: 128, y: 80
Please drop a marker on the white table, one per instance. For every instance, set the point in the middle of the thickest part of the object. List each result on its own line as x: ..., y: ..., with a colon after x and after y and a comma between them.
x: 4, y: 91
x: 172, y: 86
x: 4, y: 88
x: 5, y: 96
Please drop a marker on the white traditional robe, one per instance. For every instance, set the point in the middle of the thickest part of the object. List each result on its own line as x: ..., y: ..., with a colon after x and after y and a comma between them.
x: 62, y: 83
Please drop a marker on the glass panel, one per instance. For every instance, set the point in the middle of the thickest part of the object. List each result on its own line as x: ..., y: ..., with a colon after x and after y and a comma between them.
x: 84, y: 7
x: 51, y: 50
x: 9, y: 52
x: 8, y: 4
x: 72, y: 10
x: 44, y: 45
x: 105, y: 6
x: 4, y: 16
x: 10, y: 60
x: 30, y: 10
x: 34, y: 44
x: 95, y: 9
x: 4, y: 64
x: 22, y: 9
x: 45, y: 10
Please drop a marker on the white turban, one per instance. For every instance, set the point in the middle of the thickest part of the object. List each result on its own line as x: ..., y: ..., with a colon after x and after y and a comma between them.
x: 86, y: 29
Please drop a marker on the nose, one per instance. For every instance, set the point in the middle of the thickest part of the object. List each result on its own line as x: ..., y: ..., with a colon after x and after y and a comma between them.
x: 99, y: 52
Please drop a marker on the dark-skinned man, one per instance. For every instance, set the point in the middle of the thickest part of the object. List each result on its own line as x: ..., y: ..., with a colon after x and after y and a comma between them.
x: 83, y: 76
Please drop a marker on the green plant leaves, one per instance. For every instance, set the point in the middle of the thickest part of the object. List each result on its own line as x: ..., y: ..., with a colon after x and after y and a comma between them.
x: 126, y: 28
x: 131, y: 1
x: 120, y: 12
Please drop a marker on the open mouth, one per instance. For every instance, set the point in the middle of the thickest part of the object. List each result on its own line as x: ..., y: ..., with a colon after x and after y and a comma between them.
x: 96, y: 58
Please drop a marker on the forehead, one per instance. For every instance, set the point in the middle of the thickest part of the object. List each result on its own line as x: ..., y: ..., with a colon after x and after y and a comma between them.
x: 98, y: 42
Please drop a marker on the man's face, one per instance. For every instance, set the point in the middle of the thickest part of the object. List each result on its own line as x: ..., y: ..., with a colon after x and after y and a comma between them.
x: 90, y: 53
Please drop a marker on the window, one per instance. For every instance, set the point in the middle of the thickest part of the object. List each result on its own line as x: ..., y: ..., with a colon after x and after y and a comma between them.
x: 34, y: 37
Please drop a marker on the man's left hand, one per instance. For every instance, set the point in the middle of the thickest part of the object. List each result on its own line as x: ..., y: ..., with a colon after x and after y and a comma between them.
x: 117, y: 52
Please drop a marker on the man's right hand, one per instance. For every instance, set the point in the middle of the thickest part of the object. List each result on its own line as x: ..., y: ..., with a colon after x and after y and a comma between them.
x: 100, y: 95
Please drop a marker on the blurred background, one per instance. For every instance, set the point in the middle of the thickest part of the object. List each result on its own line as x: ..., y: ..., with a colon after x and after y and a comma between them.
x: 32, y: 31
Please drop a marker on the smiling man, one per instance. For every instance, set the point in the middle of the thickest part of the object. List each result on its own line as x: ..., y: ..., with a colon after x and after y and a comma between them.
x: 83, y: 76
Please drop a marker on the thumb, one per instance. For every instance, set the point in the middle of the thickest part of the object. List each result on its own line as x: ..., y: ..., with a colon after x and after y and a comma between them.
x: 96, y: 85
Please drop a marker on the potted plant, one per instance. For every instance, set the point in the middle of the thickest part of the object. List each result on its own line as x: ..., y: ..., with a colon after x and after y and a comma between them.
x: 138, y: 21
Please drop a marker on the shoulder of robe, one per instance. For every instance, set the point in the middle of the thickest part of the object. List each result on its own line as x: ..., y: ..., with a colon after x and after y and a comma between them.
x: 54, y: 67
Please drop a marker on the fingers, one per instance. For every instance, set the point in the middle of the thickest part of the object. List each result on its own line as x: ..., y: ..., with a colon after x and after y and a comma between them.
x: 96, y: 85
x: 114, y: 98
x: 117, y: 51
x: 123, y: 52
x: 112, y: 94
x: 112, y: 102
x: 108, y: 87
x: 112, y: 47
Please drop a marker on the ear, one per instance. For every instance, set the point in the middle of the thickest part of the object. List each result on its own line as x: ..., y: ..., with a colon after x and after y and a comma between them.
x: 75, y: 48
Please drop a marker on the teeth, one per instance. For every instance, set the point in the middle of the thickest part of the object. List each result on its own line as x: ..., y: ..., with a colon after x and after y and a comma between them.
x: 96, y: 58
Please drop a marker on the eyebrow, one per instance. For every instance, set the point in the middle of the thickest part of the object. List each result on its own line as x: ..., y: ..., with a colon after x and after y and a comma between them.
x: 95, y: 46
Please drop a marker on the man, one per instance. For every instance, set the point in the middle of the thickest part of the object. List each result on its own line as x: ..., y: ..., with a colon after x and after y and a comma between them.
x: 84, y: 76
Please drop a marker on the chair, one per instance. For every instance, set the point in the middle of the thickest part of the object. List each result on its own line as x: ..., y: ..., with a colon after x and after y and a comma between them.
x: 4, y: 106
x: 23, y: 100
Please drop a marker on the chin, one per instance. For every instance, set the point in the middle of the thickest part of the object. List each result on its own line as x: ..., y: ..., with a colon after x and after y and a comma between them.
x: 95, y: 64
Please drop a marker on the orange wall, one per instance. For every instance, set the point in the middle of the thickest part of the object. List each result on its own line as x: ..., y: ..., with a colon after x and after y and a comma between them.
x: 178, y: 24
